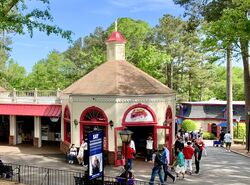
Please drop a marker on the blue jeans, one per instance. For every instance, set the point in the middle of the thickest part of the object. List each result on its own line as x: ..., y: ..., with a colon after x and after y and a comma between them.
x: 157, y: 170
x: 130, y: 164
x: 167, y: 173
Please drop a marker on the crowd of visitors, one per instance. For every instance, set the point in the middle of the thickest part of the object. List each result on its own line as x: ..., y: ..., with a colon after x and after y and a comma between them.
x: 187, y: 146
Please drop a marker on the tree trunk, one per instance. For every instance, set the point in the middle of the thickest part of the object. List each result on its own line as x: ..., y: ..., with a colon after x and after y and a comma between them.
x: 229, y: 91
x: 244, y: 50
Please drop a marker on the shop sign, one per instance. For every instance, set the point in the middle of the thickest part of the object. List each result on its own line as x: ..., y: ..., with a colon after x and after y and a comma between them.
x: 139, y: 115
x: 95, y: 149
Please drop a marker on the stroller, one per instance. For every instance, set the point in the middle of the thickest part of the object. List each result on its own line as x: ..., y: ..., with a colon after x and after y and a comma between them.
x: 5, y: 170
x: 121, y: 179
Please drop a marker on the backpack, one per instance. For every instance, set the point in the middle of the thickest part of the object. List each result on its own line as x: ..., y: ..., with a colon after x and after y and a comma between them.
x: 158, y: 160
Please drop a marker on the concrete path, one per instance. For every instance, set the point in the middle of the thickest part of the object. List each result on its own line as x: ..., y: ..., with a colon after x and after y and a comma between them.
x: 218, y: 167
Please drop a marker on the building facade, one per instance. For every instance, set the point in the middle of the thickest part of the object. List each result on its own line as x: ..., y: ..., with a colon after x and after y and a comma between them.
x: 113, y: 96
x: 211, y: 115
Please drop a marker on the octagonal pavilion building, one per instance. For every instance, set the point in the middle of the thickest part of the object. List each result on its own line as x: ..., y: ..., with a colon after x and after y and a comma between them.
x: 116, y: 95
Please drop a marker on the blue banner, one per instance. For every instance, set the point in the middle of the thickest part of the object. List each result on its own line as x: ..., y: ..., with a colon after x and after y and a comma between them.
x: 95, y: 149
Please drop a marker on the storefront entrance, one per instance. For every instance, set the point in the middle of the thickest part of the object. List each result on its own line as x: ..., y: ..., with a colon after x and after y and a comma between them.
x: 140, y: 135
x: 4, y: 129
x: 25, y: 129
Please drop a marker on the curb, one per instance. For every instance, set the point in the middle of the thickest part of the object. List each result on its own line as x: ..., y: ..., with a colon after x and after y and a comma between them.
x: 239, y: 153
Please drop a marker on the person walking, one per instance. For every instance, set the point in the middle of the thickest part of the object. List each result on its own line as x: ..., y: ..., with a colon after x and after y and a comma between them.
x: 149, y: 148
x: 130, y: 156
x: 157, y: 169
x: 222, y: 134
x: 165, y: 160
x: 180, y: 164
x: 228, y: 141
x: 197, y: 157
x: 188, y: 153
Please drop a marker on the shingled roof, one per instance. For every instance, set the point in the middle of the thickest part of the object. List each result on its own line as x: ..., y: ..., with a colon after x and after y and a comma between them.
x: 117, y: 78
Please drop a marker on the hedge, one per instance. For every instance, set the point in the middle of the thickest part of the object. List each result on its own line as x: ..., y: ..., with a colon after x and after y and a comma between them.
x: 189, y: 125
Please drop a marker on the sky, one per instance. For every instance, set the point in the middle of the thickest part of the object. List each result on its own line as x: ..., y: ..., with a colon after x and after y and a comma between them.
x: 82, y: 17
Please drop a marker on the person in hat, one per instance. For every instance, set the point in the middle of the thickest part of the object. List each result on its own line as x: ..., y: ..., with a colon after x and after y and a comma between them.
x: 149, y: 148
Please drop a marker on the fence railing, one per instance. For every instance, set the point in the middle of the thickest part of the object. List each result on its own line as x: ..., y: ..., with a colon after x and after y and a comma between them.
x: 33, y: 96
x: 32, y: 175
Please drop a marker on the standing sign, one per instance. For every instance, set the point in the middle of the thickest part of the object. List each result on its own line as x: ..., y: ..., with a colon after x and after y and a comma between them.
x: 95, y: 149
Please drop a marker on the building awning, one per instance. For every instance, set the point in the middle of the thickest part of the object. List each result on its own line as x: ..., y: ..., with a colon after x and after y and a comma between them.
x: 224, y: 124
x: 30, y: 110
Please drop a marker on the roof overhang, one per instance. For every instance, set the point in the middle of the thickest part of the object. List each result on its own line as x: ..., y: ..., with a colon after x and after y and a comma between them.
x: 30, y: 110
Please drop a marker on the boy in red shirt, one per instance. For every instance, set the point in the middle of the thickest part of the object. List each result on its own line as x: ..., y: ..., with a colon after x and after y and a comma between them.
x: 188, y: 153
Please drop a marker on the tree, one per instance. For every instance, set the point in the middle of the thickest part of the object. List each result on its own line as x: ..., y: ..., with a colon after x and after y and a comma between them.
x: 15, y: 75
x: 189, y: 72
x: 16, y: 17
x: 232, y: 28
x: 52, y: 73
x: 189, y: 125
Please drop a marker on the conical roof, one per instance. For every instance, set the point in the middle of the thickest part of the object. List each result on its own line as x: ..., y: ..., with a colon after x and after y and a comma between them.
x: 117, y: 78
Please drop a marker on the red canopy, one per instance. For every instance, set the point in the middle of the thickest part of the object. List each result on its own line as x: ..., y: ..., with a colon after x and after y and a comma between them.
x: 30, y: 110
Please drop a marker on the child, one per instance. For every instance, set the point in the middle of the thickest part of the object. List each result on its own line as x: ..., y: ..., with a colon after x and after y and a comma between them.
x: 180, y: 163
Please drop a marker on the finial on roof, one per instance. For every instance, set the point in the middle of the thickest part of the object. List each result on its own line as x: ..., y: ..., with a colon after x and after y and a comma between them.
x: 116, y: 25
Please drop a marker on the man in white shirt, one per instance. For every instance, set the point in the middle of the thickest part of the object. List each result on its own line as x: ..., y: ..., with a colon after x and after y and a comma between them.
x: 228, y: 140
x: 149, y: 148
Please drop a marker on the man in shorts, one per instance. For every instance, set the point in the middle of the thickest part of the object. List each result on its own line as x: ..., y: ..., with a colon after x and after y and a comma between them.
x: 228, y: 141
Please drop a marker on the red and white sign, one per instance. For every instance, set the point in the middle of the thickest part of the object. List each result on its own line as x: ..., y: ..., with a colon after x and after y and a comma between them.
x: 139, y: 115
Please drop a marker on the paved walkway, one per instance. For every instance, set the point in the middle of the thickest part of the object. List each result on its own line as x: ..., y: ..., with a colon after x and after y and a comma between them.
x: 218, y: 167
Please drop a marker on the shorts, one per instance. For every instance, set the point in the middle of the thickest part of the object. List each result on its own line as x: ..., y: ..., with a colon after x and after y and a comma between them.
x: 180, y: 169
x: 228, y: 144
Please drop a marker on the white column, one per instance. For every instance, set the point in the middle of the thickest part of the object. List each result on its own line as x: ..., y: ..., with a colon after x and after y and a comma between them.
x: 37, y: 130
x: 13, y: 129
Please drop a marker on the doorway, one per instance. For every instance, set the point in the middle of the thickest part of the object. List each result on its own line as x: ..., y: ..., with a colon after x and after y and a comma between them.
x: 140, y: 135
x: 4, y: 129
x: 25, y: 129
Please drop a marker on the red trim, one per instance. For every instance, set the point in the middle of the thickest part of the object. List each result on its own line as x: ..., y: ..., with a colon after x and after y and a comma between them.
x: 169, y: 119
x: 52, y: 110
x: 116, y: 37
x: 94, y: 123
x: 66, y: 121
x: 139, y: 105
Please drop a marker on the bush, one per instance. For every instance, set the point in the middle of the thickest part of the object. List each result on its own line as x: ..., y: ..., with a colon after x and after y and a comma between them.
x: 242, y: 131
x: 208, y: 135
x: 189, y: 125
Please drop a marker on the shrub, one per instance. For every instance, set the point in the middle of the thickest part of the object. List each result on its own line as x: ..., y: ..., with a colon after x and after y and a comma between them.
x: 189, y: 125
x: 208, y: 135
x: 242, y: 131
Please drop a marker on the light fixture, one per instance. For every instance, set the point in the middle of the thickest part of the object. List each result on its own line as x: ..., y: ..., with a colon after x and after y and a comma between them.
x: 166, y: 123
x: 111, y: 123
x: 54, y: 119
x: 75, y: 122
x: 126, y: 135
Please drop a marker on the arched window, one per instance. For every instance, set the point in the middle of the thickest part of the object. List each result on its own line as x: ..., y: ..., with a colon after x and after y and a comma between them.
x: 93, y: 115
x: 91, y: 118
x: 67, y: 125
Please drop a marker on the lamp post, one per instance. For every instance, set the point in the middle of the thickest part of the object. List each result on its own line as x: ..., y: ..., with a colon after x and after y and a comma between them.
x: 126, y: 138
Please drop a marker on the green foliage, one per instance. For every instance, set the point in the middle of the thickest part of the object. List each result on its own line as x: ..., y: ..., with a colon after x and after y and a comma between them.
x: 208, y: 135
x: 16, y: 17
x: 189, y: 125
x: 241, y: 129
x: 52, y: 73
